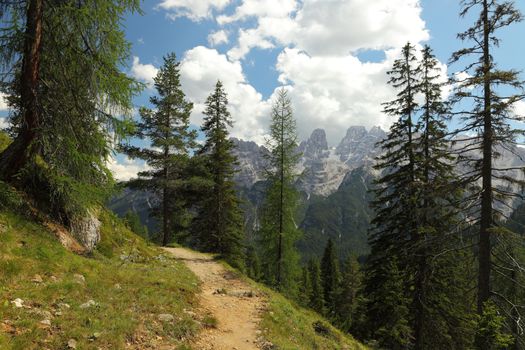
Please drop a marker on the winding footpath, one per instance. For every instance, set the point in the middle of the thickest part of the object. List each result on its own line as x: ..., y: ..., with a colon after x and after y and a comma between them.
x: 231, y: 301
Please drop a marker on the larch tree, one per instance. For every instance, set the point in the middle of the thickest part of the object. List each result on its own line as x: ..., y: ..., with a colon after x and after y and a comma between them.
x: 278, y: 233
x: 490, y: 127
x: 62, y: 71
x: 166, y: 127
x: 219, y: 224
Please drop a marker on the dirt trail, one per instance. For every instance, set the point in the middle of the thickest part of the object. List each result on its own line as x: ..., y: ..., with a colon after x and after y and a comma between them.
x: 232, y: 302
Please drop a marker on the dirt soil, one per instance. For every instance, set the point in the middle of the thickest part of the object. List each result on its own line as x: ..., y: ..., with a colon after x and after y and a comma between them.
x: 232, y: 302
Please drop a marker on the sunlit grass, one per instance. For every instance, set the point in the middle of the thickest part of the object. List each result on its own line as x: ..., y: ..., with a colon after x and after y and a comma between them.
x: 130, y: 283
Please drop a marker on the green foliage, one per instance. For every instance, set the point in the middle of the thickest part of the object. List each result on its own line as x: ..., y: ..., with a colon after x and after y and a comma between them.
x: 387, y: 306
x: 5, y: 141
x: 81, y: 92
x: 219, y: 222
x: 348, y: 299
x: 510, y: 278
x: 132, y: 219
x: 253, y: 264
x: 10, y: 199
x: 344, y: 216
x: 278, y: 233
x: 330, y: 279
x: 167, y: 128
x: 316, y: 301
x: 395, y: 223
x: 490, y: 334
x: 416, y: 222
x: 305, y: 288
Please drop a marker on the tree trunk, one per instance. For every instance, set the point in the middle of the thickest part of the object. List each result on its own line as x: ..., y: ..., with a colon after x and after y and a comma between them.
x: 165, y: 206
x: 421, y: 277
x: 16, y: 156
x: 281, y: 206
x: 486, y: 173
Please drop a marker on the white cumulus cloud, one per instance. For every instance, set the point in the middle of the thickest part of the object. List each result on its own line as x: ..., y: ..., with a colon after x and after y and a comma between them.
x: 260, y: 8
x: 3, y: 103
x: 519, y: 108
x: 335, y: 92
x: 201, y: 67
x: 143, y: 72
x: 126, y: 169
x: 217, y: 38
x: 321, y: 41
x: 336, y: 27
x: 195, y: 10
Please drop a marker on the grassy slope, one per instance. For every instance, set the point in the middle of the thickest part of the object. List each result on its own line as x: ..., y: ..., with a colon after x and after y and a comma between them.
x: 289, y: 326
x: 131, y: 282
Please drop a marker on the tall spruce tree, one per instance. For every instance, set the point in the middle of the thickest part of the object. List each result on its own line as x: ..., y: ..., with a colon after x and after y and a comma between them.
x: 167, y: 128
x: 330, y: 278
x: 279, y: 233
x: 492, y: 92
x: 219, y: 224
x: 440, y: 301
x: 395, y: 225
x: 66, y: 88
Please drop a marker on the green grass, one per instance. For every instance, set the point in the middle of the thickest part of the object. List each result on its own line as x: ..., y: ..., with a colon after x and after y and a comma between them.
x: 289, y: 326
x: 130, y: 282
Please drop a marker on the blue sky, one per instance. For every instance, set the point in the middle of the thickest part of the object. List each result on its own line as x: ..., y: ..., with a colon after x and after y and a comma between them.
x: 331, y: 55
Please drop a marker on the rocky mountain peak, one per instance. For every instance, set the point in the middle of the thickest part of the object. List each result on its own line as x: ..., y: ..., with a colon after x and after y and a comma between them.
x: 359, y: 144
x: 251, y: 162
x: 316, y: 146
x: 355, y: 133
x: 322, y: 168
x: 376, y: 131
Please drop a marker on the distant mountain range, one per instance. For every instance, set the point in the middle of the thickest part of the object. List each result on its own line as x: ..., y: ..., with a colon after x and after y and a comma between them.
x: 323, y: 168
x: 334, y: 184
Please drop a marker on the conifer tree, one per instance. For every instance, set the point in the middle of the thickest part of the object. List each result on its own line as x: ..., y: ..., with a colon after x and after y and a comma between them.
x: 66, y: 88
x: 253, y: 264
x: 305, y: 289
x: 278, y: 233
x: 316, y: 297
x: 387, y: 321
x: 132, y: 219
x: 167, y: 128
x: 395, y: 225
x: 493, y: 93
x: 330, y: 278
x: 219, y: 223
x: 440, y: 298
x: 348, y: 298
